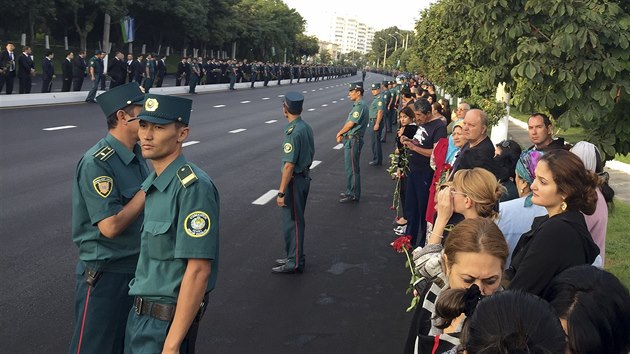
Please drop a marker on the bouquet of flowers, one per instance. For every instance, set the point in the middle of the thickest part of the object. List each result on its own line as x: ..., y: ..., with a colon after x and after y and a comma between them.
x: 403, y: 245
x: 396, y: 162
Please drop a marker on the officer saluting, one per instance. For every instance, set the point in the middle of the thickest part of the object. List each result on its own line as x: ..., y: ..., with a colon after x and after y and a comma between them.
x: 179, y: 253
x: 106, y: 206
x: 298, y: 150
x: 352, y: 136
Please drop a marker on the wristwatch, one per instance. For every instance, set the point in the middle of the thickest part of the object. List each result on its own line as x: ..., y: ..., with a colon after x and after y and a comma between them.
x: 280, y: 195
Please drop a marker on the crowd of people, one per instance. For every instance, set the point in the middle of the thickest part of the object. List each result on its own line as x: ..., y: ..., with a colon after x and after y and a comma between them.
x: 508, y: 241
x: 149, y: 70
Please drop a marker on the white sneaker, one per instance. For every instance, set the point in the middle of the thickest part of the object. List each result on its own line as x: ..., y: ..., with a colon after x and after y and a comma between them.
x: 400, y: 230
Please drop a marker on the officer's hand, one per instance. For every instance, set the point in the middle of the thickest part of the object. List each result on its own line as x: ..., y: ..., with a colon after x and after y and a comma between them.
x: 280, y: 201
x: 339, y: 137
x: 376, y: 126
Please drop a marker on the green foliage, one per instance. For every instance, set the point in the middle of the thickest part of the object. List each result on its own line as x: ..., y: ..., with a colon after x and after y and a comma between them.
x: 617, y: 243
x: 570, y: 58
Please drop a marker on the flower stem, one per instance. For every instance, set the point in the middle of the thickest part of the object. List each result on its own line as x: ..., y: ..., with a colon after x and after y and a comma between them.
x: 413, y: 274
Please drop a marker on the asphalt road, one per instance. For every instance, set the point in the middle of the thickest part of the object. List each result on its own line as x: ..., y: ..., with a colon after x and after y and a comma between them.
x: 349, y: 300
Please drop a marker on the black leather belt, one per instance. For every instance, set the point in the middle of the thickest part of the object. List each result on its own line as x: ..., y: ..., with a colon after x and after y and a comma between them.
x: 164, y: 312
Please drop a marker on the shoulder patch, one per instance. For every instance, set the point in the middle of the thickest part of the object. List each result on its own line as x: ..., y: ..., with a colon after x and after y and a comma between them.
x: 197, y: 224
x: 355, y: 114
x: 290, y: 130
x: 104, y: 153
x: 380, y: 103
x: 103, y: 185
x: 186, y: 176
x: 287, y: 148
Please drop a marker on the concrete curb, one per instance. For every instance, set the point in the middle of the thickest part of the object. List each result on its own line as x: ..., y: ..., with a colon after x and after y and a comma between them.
x: 36, y: 99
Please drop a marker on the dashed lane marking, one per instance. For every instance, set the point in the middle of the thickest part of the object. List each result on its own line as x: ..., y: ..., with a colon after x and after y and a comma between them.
x: 265, y: 198
x: 245, y: 101
x: 338, y: 147
x: 304, y: 91
x: 219, y: 106
x: 311, y: 109
x: 315, y: 164
x: 60, y: 127
x: 324, y: 105
x: 237, y: 131
x: 334, y: 101
x: 266, y: 98
x: 188, y: 143
x: 271, y: 121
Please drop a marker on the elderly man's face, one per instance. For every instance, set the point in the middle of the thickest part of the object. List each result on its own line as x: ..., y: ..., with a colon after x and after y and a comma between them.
x: 474, y: 130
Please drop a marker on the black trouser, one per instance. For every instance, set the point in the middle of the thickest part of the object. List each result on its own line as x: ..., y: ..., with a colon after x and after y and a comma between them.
x: 46, y: 85
x: 8, y: 80
x: 25, y: 84
x: 77, y: 83
x: 65, y: 87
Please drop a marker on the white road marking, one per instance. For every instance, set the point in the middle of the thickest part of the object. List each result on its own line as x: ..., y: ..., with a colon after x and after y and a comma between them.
x: 338, y: 147
x: 266, y: 98
x: 237, y: 131
x: 245, y: 101
x: 304, y: 91
x: 60, y: 127
x: 324, y: 105
x: 320, y: 89
x: 334, y: 102
x: 311, y: 109
x: 188, y: 143
x: 313, y: 90
x: 342, y: 99
x: 315, y: 164
x: 266, y: 198
x: 271, y: 121
x: 219, y: 106
x: 280, y: 95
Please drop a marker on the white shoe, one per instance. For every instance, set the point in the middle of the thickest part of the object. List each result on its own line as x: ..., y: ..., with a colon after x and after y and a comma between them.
x: 400, y: 230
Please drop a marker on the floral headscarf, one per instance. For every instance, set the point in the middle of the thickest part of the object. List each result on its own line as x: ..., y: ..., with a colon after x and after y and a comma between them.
x: 525, y: 168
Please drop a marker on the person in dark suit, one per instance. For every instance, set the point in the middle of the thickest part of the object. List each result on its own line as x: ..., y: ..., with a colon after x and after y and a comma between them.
x: 7, y: 68
x: 137, y: 69
x: 129, y: 62
x: 78, y: 71
x: 161, y: 71
x: 117, y: 70
x: 66, y: 72
x: 48, y: 71
x: 26, y: 68
x: 187, y: 71
x: 181, y: 72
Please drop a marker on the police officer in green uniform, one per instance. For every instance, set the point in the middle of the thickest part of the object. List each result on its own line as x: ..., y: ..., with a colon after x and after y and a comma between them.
x: 149, y: 72
x: 394, y: 93
x: 352, y: 136
x: 386, y: 95
x: 179, y: 252
x: 297, y: 155
x: 377, y: 108
x: 107, y: 205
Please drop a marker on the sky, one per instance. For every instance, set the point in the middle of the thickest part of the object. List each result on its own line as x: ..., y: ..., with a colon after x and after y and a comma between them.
x: 403, y: 15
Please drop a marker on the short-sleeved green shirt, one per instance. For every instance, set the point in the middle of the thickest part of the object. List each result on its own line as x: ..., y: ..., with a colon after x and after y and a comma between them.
x: 387, y: 96
x: 151, y: 65
x: 359, y: 115
x: 181, y: 221
x: 394, y: 91
x: 376, y: 105
x: 97, y: 64
x: 298, y: 147
x: 106, y: 178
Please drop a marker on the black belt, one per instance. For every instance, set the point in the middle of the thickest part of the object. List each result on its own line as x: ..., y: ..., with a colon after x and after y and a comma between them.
x: 164, y: 312
x: 304, y: 173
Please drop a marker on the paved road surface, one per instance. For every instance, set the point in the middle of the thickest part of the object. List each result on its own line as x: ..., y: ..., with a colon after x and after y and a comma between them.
x: 350, y: 299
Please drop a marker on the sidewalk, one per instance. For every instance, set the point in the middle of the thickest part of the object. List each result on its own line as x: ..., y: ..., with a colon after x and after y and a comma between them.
x: 619, y: 171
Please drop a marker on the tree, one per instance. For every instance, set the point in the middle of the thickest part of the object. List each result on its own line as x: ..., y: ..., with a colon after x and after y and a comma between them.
x: 569, y: 58
x: 306, y: 45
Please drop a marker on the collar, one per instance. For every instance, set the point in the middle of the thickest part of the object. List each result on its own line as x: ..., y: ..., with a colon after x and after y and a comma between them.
x: 358, y: 102
x: 162, y: 181
x: 125, y: 154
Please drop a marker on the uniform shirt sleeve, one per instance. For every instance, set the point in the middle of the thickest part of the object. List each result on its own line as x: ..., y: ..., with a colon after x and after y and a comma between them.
x: 291, y: 147
x: 380, y: 105
x: 99, y: 189
x: 198, y: 222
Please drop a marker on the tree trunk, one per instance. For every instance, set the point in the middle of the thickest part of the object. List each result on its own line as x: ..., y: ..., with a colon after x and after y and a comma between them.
x: 31, y: 26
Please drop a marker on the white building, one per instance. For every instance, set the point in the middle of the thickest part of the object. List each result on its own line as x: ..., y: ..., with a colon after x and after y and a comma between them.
x: 348, y: 33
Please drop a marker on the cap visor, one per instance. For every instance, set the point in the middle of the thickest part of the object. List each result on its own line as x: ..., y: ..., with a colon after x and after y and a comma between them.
x: 155, y: 120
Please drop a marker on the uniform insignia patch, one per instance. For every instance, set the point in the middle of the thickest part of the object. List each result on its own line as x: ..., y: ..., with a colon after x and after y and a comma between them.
x: 290, y: 130
x: 287, y: 148
x: 380, y: 104
x: 186, y: 176
x: 197, y: 224
x: 103, y: 185
x: 151, y: 105
x: 355, y: 115
x: 104, y: 153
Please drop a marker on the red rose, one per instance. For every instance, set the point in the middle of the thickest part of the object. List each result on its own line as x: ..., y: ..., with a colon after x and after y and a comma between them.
x: 402, y: 243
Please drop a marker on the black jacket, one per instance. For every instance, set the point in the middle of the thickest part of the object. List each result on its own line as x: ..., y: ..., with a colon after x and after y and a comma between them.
x: 66, y: 69
x: 551, y: 246
x: 117, y: 70
x: 25, y: 64
x: 78, y: 67
x: 48, y: 70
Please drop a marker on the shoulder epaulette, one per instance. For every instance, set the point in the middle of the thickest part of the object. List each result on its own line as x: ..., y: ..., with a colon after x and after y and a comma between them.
x: 104, y: 153
x: 290, y: 130
x: 186, y: 176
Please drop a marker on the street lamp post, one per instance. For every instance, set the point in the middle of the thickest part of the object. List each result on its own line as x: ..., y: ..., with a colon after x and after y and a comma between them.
x: 396, y: 39
x: 384, y: 54
x: 404, y: 44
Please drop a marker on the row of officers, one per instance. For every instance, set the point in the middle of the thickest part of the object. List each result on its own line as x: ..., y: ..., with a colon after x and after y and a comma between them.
x: 149, y: 71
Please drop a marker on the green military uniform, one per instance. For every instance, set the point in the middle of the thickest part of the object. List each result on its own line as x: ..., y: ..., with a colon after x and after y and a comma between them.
x: 376, y: 106
x: 181, y: 222
x: 148, y: 81
x: 387, y: 119
x: 353, y: 143
x: 298, y: 148
x: 394, y: 92
x: 106, y: 178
